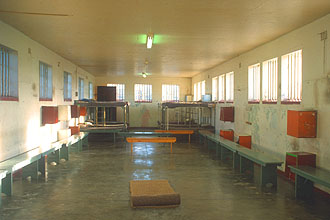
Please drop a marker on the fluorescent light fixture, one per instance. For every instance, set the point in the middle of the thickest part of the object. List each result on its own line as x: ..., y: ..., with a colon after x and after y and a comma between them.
x: 150, y: 38
x: 144, y: 75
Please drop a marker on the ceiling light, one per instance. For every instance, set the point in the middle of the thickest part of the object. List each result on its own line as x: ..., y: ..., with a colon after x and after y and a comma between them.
x: 150, y: 38
x: 144, y: 75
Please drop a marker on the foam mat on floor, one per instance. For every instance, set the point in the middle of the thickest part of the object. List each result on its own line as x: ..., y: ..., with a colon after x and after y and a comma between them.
x: 153, y: 194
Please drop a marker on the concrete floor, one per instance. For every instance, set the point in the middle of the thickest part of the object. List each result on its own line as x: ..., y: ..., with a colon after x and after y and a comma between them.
x: 94, y: 184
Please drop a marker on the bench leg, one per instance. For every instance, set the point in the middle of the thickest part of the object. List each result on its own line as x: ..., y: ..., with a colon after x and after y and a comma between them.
x: 85, y: 142
x: 131, y: 147
x: 80, y: 145
x: 7, y: 184
x: 236, y: 161
x: 55, y: 157
x: 303, y: 188
x: 31, y: 170
x: 64, y: 153
x: 269, y: 175
x: 171, y: 147
x: 189, y: 138
x: 217, y: 150
x: 42, y: 165
x: 245, y: 165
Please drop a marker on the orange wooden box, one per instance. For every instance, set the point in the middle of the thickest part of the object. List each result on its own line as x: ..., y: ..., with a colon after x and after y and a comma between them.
x: 301, y: 124
x: 83, y: 111
x: 227, y: 134
x: 245, y: 141
x: 75, y: 130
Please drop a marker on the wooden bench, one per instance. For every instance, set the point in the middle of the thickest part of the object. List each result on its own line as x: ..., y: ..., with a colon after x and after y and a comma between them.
x: 151, y: 140
x: 306, y: 176
x: 189, y: 132
x: 243, y: 158
x: 34, y: 161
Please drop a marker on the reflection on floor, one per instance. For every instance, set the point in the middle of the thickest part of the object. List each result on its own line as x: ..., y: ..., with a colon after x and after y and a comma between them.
x: 94, y: 184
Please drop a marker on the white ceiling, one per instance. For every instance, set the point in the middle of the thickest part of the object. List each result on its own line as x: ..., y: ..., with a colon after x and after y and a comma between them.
x: 107, y: 37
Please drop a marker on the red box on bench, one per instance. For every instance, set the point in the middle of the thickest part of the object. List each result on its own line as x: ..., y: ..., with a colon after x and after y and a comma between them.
x: 227, y: 134
x: 245, y: 141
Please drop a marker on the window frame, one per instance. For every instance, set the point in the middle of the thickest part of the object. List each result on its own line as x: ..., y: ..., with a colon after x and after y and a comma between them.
x: 148, y: 87
x: 67, y: 87
x: 254, y: 82
x: 11, y: 79
x: 222, y: 88
x: 215, y: 83
x: 270, y: 84
x: 231, y: 87
x: 120, y: 88
x: 48, y: 80
x: 300, y: 76
x: 174, y: 91
x: 90, y: 90
x: 81, y: 85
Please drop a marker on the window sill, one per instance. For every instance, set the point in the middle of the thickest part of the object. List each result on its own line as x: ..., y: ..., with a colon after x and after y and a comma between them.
x: 68, y: 100
x: 229, y: 101
x: 8, y: 98
x: 143, y: 101
x: 254, y: 102
x: 45, y: 100
x: 269, y: 102
x: 290, y: 102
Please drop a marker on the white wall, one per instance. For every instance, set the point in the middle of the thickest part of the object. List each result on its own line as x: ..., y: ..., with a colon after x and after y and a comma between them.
x: 269, y: 122
x: 20, y: 128
x: 146, y: 114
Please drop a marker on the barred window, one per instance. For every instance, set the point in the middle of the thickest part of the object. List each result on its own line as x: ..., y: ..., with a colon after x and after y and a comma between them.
x: 90, y: 90
x: 8, y: 74
x: 120, y: 91
x: 45, y: 82
x: 230, y: 87
x: 170, y: 93
x: 67, y: 90
x: 221, y: 97
x: 143, y: 93
x: 214, y: 89
x: 254, y: 83
x: 291, y: 77
x: 81, y: 89
x: 269, y: 81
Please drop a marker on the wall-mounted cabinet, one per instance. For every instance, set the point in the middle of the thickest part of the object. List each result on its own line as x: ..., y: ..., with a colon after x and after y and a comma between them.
x: 75, y: 111
x: 227, y: 114
x: 301, y: 124
x: 49, y: 115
